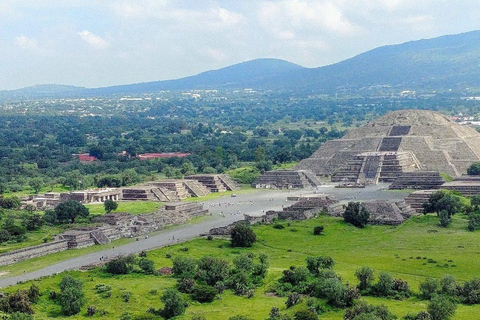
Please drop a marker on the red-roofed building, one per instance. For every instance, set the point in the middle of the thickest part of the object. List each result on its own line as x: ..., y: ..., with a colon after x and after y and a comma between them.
x: 84, y: 157
x: 146, y: 156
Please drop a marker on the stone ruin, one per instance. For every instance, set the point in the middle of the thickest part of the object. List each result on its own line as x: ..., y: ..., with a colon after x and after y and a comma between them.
x: 308, y: 207
x: 416, y: 199
x: 165, y: 190
x: 52, y: 199
x: 110, y: 227
x: 413, y: 139
x: 420, y: 180
x: 286, y: 179
x: 387, y: 212
x: 466, y: 185
x: 215, y: 182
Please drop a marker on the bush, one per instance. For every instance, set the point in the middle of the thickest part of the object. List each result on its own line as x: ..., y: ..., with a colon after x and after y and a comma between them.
x: 212, y: 270
x: 316, y: 263
x: 293, y: 299
x: 445, y: 219
x: 318, y: 230
x: 365, y: 311
x: 126, y: 296
x: 33, y: 293
x: 428, y: 288
x: 384, y: 286
x: 147, y: 266
x: 356, y: 215
x: 365, y: 277
x: 185, y: 285
x: 441, y: 308
x: 173, y: 304
x: 122, y: 265
x: 471, y: 291
x: 242, y: 235
x: 91, y: 310
x: 20, y: 316
x: 305, y: 315
x: 16, y: 302
x: 184, y: 267
x: 203, y: 293
x: 278, y: 226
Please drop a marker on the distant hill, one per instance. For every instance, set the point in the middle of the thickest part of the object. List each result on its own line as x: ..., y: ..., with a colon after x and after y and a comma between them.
x: 445, y: 62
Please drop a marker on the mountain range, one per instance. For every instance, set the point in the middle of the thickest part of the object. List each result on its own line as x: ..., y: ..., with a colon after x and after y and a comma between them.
x: 446, y: 62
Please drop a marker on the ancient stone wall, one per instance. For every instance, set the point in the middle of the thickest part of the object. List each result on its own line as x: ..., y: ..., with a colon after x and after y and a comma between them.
x: 33, y: 252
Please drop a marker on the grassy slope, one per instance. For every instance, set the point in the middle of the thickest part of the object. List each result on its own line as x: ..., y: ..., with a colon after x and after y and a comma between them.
x: 133, y: 207
x: 381, y: 247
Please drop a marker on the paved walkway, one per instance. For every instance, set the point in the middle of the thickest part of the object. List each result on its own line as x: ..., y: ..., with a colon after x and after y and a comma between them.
x: 224, y: 210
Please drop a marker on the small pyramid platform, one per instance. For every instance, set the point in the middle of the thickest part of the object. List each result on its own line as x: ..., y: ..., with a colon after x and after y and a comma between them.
x: 428, y: 139
x: 286, y: 179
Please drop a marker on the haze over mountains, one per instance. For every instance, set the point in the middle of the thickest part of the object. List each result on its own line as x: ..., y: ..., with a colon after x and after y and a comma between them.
x: 447, y: 62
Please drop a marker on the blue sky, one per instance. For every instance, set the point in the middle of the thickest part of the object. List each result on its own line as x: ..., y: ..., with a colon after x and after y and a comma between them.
x: 106, y: 42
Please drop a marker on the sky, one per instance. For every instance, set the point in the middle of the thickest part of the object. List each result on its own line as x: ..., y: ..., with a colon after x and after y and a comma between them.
x: 94, y: 43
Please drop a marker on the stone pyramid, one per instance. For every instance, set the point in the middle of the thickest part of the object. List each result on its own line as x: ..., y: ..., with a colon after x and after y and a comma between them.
x: 424, y: 140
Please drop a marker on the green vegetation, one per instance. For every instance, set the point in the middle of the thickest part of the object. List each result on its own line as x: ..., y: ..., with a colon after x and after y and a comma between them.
x: 416, y: 251
x: 133, y: 207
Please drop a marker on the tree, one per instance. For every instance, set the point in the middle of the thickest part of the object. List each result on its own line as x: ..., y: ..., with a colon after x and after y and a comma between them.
x: 242, y: 235
x: 202, y: 293
x: 428, y: 288
x: 184, y: 267
x: 305, y: 315
x: 16, y: 302
x: 147, y: 266
x: 70, y: 210
x: 474, y: 169
x: 110, y: 205
x: 71, y: 296
x: 36, y: 184
x: 173, y: 304
x: 442, y: 200
x: 445, y: 219
x: 365, y: 277
x: 212, y: 270
x: 441, y: 307
x: 121, y: 265
x: 356, y: 214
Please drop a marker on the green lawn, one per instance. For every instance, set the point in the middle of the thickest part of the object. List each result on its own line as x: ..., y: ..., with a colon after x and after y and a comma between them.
x: 133, y: 207
x: 401, y: 250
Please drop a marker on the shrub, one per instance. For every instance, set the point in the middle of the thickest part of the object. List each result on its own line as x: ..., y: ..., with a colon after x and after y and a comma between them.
x: 356, y: 215
x: 305, y: 315
x: 316, y: 263
x: 445, y: 219
x: 384, y: 286
x: 20, y: 316
x: 365, y: 311
x: 71, y: 300
x: 318, y: 230
x: 173, y: 304
x: 147, y: 266
x: 239, y: 317
x: 16, y: 302
x: 209, y: 237
x: 295, y: 276
x: 293, y: 299
x: 91, y: 310
x: 471, y: 291
x: 278, y: 226
x: 185, y: 285
x: 34, y: 293
x: 365, y: 277
x: 203, y: 293
x: 422, y: 315
x: 428, y: 288
x: 212, y: 270
x: 449, y: 286
x: 242, y: 235
x: 126, y: 296
x: 184, y: 267
x: 441, y: 307
x: 121, y: 265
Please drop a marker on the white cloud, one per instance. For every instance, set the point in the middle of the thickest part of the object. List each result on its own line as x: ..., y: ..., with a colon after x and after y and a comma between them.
x: 26, y: 43
x: 94, y: 40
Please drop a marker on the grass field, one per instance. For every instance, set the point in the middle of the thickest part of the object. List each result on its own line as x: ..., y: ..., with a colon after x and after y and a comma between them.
x: 133, y: 207
x: 403, y: 251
